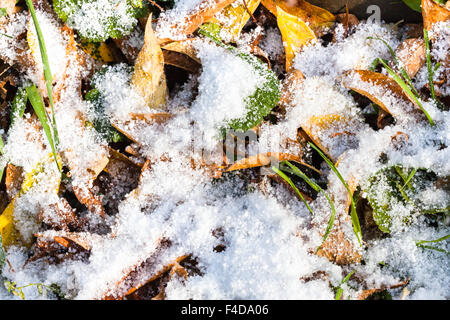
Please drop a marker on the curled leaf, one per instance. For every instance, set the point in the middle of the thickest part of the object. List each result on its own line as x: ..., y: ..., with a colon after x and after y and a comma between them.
x: 379, y: 88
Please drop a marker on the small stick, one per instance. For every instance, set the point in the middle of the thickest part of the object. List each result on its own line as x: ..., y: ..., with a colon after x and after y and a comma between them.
x: 157, y: 5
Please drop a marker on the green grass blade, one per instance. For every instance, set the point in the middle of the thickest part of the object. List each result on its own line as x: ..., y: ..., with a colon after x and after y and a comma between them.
x: 408, y: 180
x: 402, y: 70
x: 420, y: 244
x: 38, y: 106
x: 339, y: 290
x: 46, y: 64
x: 433, y: 241
x: 429, y: 67
x: 430, y: 70
x: 406, y: 88
x: 19, y: 104
x: 289, y: 181
x: 316, y: 187
x: 353, y: 214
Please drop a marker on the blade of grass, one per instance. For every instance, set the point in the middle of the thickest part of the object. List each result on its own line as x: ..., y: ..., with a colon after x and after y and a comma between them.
x: 289, y: 181
x: 46, y: 64
x: 406, y: 88
x: 19, y: 104
x: 433, y: 241
x: 353, y: 214
x: 411, y: 175
x: 430, y: 69
x: 339, y: 290
x: 6, y: 35
x: 398, y: 64
x: 420, y: 244
x: 38, y: 106
x: 316, y: 187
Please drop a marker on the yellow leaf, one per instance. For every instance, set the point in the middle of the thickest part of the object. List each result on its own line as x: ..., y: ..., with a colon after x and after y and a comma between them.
x: 326, y: 126
x: 234, y: 17
x: 9, y: 233
x: 98, y: 51
x: 299, y: 23
x: 148, y: 78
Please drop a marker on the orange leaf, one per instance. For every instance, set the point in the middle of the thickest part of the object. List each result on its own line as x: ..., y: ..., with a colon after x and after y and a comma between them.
x: 433, y: 12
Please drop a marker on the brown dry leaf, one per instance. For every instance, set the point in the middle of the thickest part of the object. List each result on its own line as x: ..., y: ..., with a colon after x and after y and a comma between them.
x: 181, y: 61
x: 183, y: 46
x: 87, y: 197
x: 129, y: 50
x: 300, y: 23
x: 59, y: 215
x: 371, y: 84
x: 234, y: 17
x: 148, y: 78
x: 204, y: 12
x: 366, y: 293
x: 293, y: 78
x: 265, y: 159
x: 83, y: 239
x: 13, y: 180
x: 411, y: 54
x: 348, y: 20
x: 433, y: 12
x: 338, y: 249
x: 143, y: 273
x: 117, y: 157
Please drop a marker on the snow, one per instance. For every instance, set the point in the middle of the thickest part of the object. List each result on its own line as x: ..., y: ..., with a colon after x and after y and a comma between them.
x: 268, y: 236
x: 93, y: 19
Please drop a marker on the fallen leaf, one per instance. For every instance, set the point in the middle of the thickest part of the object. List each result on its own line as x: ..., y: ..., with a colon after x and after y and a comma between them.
x: 148, y: 78
x: 234, y: 17
x: 433, y: 12
x: 322, y: 129
x: 59, y: 215
x: 380, y: 89
x: 338, y: 249
x: 412, y: 56
x: 300, y: 23
x: 203, y: 12
x: 13, y: 180
x: 184, y: 46
x: 366, y: 293
x: 265, y: 159
x: 52, y: 180
x: 181, y: 61
x: 139, y: 275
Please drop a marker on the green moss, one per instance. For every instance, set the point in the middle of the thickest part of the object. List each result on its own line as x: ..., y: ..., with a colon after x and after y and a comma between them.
x: 112, y: 25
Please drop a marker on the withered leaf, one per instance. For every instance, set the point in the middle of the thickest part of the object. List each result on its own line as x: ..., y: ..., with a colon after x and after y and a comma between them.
x: 203, y: 12
x: 148, y: 78
x: 412, y: 56
x: 376, y: 86
x: 300, y: 23
x: 181, y: 61
x: 433, y: 12
x: 234, y: 17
